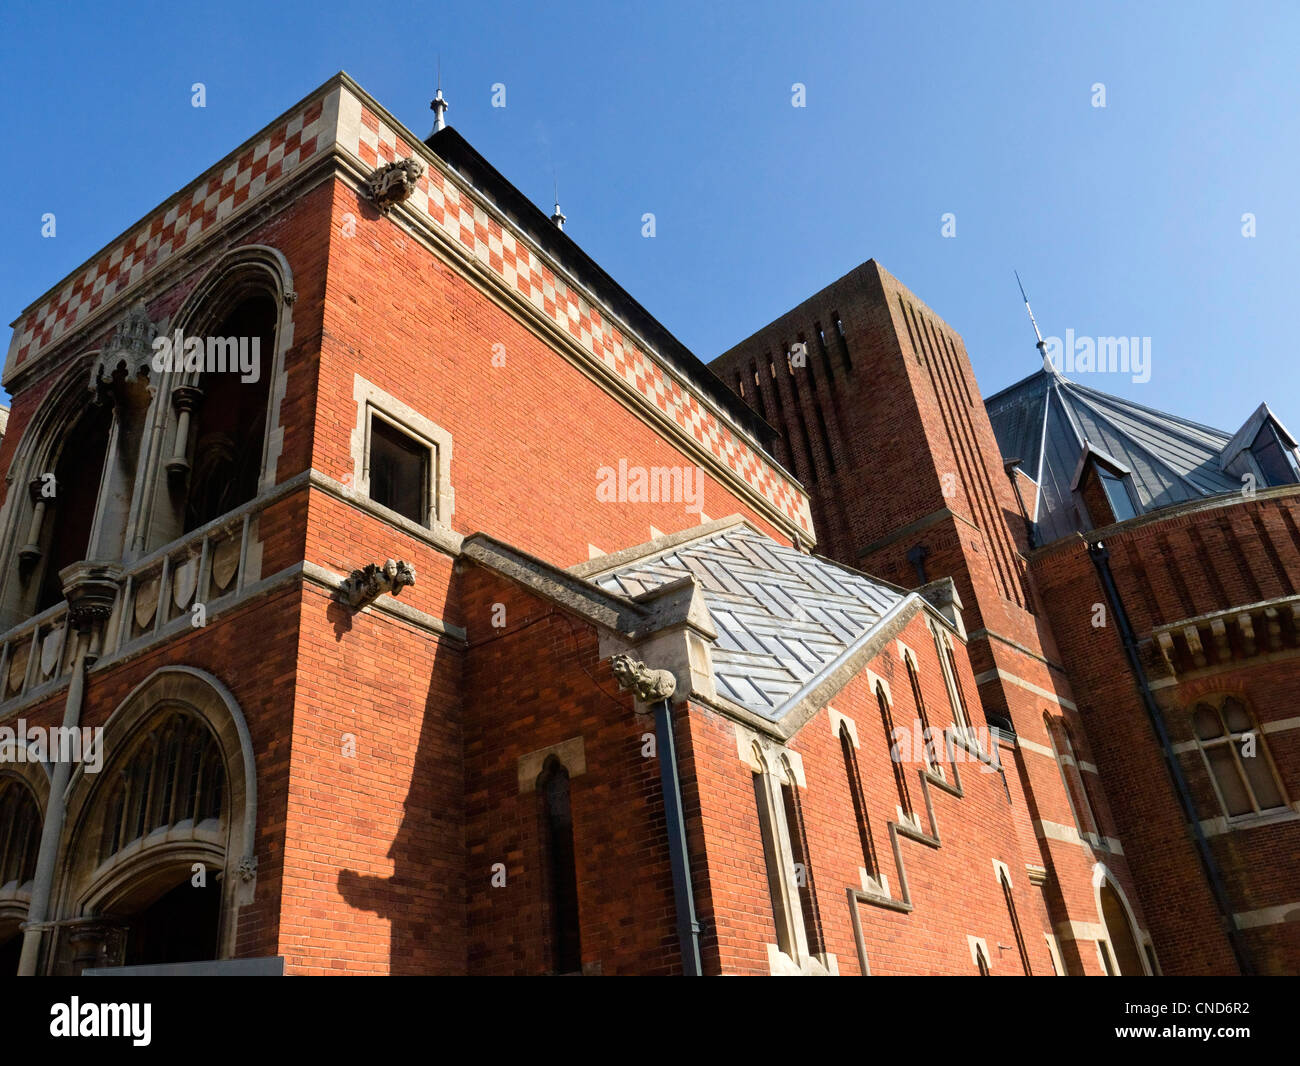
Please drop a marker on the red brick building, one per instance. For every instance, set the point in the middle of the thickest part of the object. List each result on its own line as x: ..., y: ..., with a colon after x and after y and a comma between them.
x: 385, y: 591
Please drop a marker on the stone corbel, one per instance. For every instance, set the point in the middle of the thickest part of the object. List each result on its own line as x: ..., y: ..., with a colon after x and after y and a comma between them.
x: 1246, y: 625
x: 1165, y: 641
x: 1219, y: 631
x: 393, y: 183
x: 942, y: 596
x: 362, y: 586
x: 1193, y: 637
x: 91, y: 590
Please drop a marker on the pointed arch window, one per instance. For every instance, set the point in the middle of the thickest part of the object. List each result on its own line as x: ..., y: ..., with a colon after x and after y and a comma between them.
x: 1071, y: 778
x: 20, y: 834
x: 854, y: 774
x: 553, y: 787
x: 900, y: 775
x: 227, y: 430
x: 175, y: 777
x: 64, y: 505
x: 1015, y: 921
x: 931, y: 748
x: 804, y: 881
x: 1237, y: 757
x: 1085, y: 789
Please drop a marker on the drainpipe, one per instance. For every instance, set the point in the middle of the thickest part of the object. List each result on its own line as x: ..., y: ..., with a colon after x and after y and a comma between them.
x: 656, y: 688
x: 52, y: 827
x: 1101, y: 560
x: 688, y: 926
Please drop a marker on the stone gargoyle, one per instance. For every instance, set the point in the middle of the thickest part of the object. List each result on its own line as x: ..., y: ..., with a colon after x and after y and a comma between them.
x: 648, y: 685
x: 362, y: 586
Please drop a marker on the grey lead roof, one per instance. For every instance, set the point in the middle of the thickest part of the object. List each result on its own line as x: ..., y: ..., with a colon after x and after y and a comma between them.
x: 1047, y: 421
x: 783, y: 618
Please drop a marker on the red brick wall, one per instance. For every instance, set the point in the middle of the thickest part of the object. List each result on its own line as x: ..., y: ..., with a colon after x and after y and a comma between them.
x: 533, y: 683
x: 528, y: 437
x: 1176, y: 568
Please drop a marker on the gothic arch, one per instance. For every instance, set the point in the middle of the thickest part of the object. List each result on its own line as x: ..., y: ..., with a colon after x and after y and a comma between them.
x: 1129, y: 932
x: 91, y: 885
x: 39, y: 451
x: 236, y: 275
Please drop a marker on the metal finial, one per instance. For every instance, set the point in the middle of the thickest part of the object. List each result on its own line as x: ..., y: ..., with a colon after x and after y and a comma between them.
x: 1042, y: 344
x: 439, y: 105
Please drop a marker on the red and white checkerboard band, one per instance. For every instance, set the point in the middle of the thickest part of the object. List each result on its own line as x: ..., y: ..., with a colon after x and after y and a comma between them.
x: 286, y: 147
x: 201, y: 207
x: 463, y: 219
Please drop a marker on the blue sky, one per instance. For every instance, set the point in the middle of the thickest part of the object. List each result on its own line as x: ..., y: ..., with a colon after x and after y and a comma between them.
x: 1123, y: 221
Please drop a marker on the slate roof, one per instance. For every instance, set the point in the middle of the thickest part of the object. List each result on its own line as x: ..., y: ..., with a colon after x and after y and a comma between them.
x: 784, y: 619
x: 1047, y: 421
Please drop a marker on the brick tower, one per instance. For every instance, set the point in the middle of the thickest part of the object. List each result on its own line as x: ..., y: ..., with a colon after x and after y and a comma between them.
x: 880, y: 417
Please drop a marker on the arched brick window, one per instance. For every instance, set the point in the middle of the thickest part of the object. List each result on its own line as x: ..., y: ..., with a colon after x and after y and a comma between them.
x: 1245, y: 779
x: 854, y: 775
x: 561, y: 867
x: 1015, y: 922
x: 931, y: 751
x: 900, y: 775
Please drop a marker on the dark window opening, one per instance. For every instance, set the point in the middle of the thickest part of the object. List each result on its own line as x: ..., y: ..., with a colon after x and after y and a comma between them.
x: 399, y: 471
x: 230, y: 427
x: 859, y: 800
x: 1015, y: 925
x: 179, y: 926
x: 804, y: 883
x: 561, y: 868
x: 900, y: 775
x: 20, y: 833
x: 77, y: 478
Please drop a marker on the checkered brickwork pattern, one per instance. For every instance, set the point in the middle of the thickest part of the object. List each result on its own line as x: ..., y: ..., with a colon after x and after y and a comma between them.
x: 456, y: 211
x: 201, y: 207
x: 287, y: 147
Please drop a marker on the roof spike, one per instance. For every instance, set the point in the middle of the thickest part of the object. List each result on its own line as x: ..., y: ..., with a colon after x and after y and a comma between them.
x: 1042, y: 344
x: 558, y: 217
x: 439, y: 105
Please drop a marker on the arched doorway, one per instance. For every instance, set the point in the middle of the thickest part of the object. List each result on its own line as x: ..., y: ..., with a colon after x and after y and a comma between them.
x: 1123, y: 944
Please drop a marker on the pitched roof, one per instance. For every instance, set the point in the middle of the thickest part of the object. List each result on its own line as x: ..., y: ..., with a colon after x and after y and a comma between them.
x: 1048, y: 422
x: 784, y: 619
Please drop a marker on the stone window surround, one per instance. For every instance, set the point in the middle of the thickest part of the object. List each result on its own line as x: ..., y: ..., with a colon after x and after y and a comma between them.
x: 1101, y: 874
x: 571, y: 754
x: 1216, y: 703
x: 776, y: 765
x: 371, y: 400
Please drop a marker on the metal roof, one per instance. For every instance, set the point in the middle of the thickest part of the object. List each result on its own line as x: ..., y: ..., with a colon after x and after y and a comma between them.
x: 1048, y: 422
x: 784, y: 619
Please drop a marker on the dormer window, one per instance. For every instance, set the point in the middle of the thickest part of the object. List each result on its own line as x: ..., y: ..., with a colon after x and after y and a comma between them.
x: 1104, y: 486
x: 1117, y: 494
x: 1276, y: 460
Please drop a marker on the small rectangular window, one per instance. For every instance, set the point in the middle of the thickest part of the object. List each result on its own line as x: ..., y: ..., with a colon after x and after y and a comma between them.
x: 399, y: 471
x: 1121, y: 504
